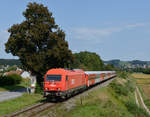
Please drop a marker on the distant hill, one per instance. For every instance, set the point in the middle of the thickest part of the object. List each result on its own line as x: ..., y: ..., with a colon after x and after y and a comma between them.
x: 134, y: 62
x: 115, y: 62
x: 10, y: 62
x: 128, y: 64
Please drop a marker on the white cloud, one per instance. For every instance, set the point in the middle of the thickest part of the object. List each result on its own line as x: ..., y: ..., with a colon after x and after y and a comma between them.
x: 92, y: 33
x: 131, y: 26
x: 87, y: 33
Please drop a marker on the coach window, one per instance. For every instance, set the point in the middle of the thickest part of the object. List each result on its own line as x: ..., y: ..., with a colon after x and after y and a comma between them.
x: 66, y: 78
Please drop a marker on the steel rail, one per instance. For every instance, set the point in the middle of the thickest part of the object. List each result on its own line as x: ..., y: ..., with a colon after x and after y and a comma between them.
x: 40, y: 107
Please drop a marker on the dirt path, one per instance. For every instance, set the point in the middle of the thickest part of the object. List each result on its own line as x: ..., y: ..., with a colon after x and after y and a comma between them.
x: 136, y: 99
x: 141, y: 99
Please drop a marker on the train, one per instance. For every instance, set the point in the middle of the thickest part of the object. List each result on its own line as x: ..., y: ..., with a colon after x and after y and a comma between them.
x: 64, y: 83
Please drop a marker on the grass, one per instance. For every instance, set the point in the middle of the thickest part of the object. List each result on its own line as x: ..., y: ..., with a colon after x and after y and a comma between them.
x: 19, y: 103
x: 98, y: 103
x: 95, y: 110
x: 24, y: 83
x: 103, y: 102
x: 9, y: 106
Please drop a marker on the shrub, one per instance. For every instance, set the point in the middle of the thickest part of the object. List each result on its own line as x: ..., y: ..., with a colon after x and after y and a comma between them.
x: 12, y: 79
x: 2, y: 80
x: 38, y: 89
x: 123, y: 75
x: 147, y: 102
x: 123, y: 86
x: 130, y: 86
x: 119, y: 89
x: 135, y: 110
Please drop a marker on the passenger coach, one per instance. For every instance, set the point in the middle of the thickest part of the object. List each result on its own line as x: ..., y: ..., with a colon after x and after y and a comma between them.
x: 62, y: 83
x: 95, y: 77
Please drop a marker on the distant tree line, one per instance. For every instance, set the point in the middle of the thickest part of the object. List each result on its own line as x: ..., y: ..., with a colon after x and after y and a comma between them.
x: 141, y: 70
x: 90, y: 61
x: 119, y: 63
x: 10, y: 62
x: 83, y: 60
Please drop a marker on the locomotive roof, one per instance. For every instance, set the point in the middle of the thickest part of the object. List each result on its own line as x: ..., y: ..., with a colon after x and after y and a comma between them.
x: 64, y: 71
x: 98, y: 72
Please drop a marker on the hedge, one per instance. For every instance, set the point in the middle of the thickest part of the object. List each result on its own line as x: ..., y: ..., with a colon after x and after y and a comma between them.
x: 12, y: 79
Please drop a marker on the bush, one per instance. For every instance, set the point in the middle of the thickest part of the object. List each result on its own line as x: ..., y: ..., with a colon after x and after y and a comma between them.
x: 130, y: 86
x: 123, y: 75
x: 1, y: 80
x: 119, y: 89
x: 147, y: 102
x: 38, y: 89
x: 10, y: 79
x: 135, y: 110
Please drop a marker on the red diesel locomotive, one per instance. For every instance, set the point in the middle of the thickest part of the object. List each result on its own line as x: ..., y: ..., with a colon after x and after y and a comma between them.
x: 61, y: 83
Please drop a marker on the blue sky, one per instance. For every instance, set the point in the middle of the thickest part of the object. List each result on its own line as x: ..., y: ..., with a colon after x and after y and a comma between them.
x: 114, y: 29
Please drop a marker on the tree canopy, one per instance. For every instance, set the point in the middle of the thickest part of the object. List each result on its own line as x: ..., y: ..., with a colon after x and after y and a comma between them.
x: 38, y: 41
x: 88, y: 61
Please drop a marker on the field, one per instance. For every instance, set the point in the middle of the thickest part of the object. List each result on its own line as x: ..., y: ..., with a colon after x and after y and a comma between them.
x: 141, y: 76
x: 143, y: 81
x: 146, y: 89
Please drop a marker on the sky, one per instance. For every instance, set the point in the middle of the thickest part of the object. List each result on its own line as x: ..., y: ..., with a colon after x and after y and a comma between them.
x: 114, y: 29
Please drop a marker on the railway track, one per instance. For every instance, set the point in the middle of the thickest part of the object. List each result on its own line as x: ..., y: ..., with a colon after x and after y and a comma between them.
x: 34, y: 110
x: 38, y: 108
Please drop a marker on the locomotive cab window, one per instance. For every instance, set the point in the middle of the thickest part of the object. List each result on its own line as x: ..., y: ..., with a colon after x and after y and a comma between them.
x: 53, y: 78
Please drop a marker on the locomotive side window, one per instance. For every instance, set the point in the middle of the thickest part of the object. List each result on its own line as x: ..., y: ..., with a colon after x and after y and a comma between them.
x: 53, y: 78
x: 66, y: 78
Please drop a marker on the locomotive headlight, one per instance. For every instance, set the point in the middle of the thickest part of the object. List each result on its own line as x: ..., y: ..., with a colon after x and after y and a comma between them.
x: 46, y: 88
x: 58, y: 88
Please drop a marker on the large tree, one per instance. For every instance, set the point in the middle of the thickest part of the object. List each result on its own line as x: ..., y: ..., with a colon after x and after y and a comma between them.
x: 38, y: 42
